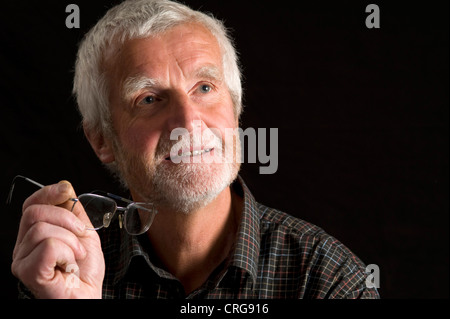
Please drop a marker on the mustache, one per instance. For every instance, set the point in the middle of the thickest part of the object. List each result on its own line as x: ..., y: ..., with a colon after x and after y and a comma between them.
x: 207, y: 139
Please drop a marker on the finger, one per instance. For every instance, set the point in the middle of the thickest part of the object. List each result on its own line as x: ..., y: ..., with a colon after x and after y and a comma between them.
x: 73, y: 205
x: 62, y: 195
x: 56, y: 194
x: 80, y: 213
x: 41, y: 231
x: 68, y: 204
x: 52, y: 215
x: 37, y: 270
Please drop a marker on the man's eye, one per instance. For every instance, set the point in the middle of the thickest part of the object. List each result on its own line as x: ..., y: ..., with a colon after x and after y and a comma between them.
x: 148, y: 100
x: 205, y: 88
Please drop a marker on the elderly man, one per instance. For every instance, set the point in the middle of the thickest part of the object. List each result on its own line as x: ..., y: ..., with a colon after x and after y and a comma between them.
x: 147, y: 68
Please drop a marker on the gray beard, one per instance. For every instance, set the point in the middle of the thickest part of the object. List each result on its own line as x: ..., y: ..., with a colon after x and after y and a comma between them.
x: 183, y: 187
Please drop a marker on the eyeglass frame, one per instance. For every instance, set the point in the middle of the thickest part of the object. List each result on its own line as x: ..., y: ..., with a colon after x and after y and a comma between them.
x: 110, y: 197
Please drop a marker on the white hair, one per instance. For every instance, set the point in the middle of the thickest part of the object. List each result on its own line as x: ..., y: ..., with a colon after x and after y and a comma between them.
x: 139, y: 19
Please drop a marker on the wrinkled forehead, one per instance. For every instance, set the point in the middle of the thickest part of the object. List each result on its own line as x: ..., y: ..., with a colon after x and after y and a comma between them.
x: 190, y: 48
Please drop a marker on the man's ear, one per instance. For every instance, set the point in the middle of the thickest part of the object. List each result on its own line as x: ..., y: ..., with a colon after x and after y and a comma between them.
x: 101, y: 145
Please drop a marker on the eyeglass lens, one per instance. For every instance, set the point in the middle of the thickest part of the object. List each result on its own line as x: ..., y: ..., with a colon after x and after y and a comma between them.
x: 101, y: 210
x: 139, y: 217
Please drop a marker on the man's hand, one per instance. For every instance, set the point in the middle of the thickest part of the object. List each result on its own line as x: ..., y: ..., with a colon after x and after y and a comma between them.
x: 53, y: 246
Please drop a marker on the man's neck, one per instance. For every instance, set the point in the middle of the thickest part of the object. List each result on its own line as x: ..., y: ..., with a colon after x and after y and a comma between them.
x: 191, y: 246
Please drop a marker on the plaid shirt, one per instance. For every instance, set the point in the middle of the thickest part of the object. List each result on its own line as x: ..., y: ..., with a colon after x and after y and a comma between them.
x: 275, y: 256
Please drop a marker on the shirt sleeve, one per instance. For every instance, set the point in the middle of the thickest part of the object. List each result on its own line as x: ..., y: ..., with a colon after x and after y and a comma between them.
x: 23, y: 291
x: 336, y: 273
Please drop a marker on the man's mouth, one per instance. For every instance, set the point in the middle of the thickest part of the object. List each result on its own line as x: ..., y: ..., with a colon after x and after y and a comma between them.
x: 190, y: 153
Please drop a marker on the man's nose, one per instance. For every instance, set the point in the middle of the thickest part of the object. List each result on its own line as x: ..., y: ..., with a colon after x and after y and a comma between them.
x: 184, y: 113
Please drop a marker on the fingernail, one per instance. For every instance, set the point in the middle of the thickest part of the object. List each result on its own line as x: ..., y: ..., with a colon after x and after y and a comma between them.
x: 64, y: 186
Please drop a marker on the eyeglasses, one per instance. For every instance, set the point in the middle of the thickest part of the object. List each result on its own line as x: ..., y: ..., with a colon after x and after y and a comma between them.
x: 102, y: 209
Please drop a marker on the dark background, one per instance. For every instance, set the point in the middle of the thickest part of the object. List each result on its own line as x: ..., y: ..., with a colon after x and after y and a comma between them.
x: 362, y: 116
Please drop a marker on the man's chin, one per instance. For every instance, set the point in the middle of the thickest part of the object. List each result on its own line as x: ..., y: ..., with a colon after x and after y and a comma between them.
x: 183, y: 205
x: 184, y: 187
x: 191, y: 188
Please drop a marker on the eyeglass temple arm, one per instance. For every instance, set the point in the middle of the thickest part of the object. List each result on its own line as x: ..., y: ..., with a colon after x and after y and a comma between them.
x: 8, y: 200
x: 126, y: 201
x: 119, y: 198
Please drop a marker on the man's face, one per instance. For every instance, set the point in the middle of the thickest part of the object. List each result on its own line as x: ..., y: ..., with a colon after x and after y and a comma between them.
x: 158, y: 84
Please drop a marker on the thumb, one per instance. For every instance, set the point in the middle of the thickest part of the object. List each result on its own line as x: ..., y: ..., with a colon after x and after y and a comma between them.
x: 65, y: 188
x: 73, y: 203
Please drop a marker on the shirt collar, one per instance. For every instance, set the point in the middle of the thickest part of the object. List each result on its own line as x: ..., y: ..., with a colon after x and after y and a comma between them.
x: 245, y: 255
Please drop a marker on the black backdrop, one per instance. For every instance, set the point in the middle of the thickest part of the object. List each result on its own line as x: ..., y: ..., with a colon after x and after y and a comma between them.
x: 362, y: 117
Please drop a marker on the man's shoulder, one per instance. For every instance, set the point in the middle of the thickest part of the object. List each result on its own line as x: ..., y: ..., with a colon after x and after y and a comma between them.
x: 325, y: 266
x: 296, y: 232
x: 277, y: 220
